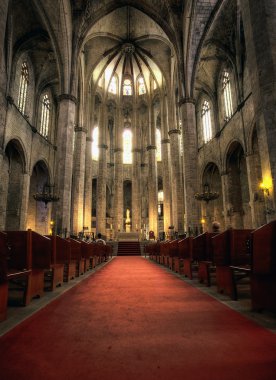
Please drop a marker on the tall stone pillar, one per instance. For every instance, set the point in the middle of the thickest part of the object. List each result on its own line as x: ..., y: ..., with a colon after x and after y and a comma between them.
x: 25, y: 201
x: 260, y: 37
x: 102, y: 175
x: 88, y: 183
x: 153, y: 190
x: 78, y: 179
x: 118, y: 176
x: 177, y: 182
x: 136, y: 177
x: 64, y: 162
x: 165, y: 151
x: 187, y: 109
x: 227, y: 205
x: 3, y: 80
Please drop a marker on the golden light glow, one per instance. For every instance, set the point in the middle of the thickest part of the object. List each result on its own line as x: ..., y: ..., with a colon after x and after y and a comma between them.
x: 202, y: 221
x: 266, y: 185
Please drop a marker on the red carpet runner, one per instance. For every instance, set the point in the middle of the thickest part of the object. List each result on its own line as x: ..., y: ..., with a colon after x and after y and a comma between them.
x: 132, y: 320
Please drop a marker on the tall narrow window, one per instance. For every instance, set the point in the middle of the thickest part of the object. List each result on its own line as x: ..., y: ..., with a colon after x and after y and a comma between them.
x: 227, y: 95
x: 45, y: 116
x: 113, y: 86
x: 206, y: 121
x: 158, y: 145
x: 141, y: 86
x: 127, y: 144
x: 127, y: 87
x: 95, y: 144
x: 23, y: 85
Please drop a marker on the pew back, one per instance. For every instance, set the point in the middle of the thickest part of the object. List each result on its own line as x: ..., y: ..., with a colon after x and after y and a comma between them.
x: 3, y: 257
x: 185, y: 247
x: 202, y: 247
x: 41, y: 251
x: 20, y: 243
x: 75, y: 249
x: 264, y: 249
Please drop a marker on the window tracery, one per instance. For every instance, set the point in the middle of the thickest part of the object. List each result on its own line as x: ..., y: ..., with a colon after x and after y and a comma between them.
x: 23, y: 86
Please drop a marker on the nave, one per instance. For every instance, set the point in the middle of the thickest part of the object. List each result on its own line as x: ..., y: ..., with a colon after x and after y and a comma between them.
x: 132, y: 319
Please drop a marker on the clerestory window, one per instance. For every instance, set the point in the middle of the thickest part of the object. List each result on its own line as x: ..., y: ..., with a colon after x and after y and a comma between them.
x: 158, y: 145
x: 227, y: 95
x: 45, y: 116
x: 95, y: 144
x: 23, y: 86
x: 206, y: 121
x: 127, y: 147
x: 127, y: 87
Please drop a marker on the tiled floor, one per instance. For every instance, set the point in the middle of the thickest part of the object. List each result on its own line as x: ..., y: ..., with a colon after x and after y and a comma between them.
x: 266, y: 319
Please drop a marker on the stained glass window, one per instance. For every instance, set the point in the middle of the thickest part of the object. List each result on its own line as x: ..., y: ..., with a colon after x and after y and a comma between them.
x: 23, y: 86
x: 158, y: 145
x: 95, y: 144
x: 45, y: 116
x: 127, y: 145
x: 127, y: 87
x: 113, y: 86
x: 206, y: 121
x: 141, y: 86
x: 227, y: 95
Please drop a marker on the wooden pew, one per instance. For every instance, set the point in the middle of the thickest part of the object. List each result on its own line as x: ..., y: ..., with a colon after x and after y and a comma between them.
x: 76, y: 256
x: 173, y: 252
x: 263, y: 278
x: 186, y: 252
x: 184, y: 248
x: 232, y: 258
x: 87, y: 254
x: 3, y: 276
x: 164, y: 253
x: 203, y: 254
x: 61, y: 269
x: 30, y: 254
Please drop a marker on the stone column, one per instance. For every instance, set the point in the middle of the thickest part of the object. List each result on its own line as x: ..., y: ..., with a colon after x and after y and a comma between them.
x: 189, y: 136
x: 88, y: 183
x: 78, y: 179
x: 260, y: 36
x: 136, y: 176
x: 177, y: 183
x: 227, y: 205
x: 25, y: 201
x: 153, y: 190
x: 118, y: 176
x: 102, y: 175
x: 166, y: 167
x: 3, y: 79
x: 64, y: 162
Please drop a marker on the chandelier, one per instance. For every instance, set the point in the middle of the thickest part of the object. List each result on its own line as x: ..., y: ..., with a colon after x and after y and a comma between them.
x: 206, y: 195
x: 47, y: 195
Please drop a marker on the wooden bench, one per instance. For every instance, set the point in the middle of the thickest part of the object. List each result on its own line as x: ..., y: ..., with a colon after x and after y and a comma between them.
x: 182, y: 261
x: 172, y: 252
x: 30, y: 255
x: 76, y: 256
x: 232, y: 258
x: 203, y: 255
x: 263, y: 277
x: 60, y: 258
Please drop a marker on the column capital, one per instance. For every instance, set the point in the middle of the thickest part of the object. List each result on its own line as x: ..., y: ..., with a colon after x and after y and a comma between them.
x: 62, y: 97
x: 165, y: 141
x: 80, y: 129
x: 151, y: 147
x: 136, y: 150
x: 186, y: 100
x: 116, y: 150
x: 172, y: 131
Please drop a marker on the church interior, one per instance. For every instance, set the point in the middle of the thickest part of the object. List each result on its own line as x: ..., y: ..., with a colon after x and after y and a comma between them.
x: 137, y: 189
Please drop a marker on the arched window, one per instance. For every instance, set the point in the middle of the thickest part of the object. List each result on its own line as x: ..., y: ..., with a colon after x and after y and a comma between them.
x: 154, y: 85
x: 127, y: 145
x: 158, y: 145
x: 23, y: 85
x: 206, y: 121
x: 127, y: 87
x: 113, y: 85
x: 227, y: 95
x: 45, y: 116
x: 141, y: 86
x: 95, y: 144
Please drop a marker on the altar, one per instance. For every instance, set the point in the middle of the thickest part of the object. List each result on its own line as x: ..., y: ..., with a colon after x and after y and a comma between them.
x: 128, y: 236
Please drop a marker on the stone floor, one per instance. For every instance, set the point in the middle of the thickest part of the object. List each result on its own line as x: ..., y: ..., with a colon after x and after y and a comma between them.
x: 266, y: 319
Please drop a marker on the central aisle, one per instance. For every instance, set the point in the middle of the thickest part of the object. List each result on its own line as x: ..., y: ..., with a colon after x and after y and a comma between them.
x: 133, y: 320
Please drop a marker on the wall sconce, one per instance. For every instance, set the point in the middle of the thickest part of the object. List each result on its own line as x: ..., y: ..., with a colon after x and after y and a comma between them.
x: 265, y: 188
x: 266, y: 185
